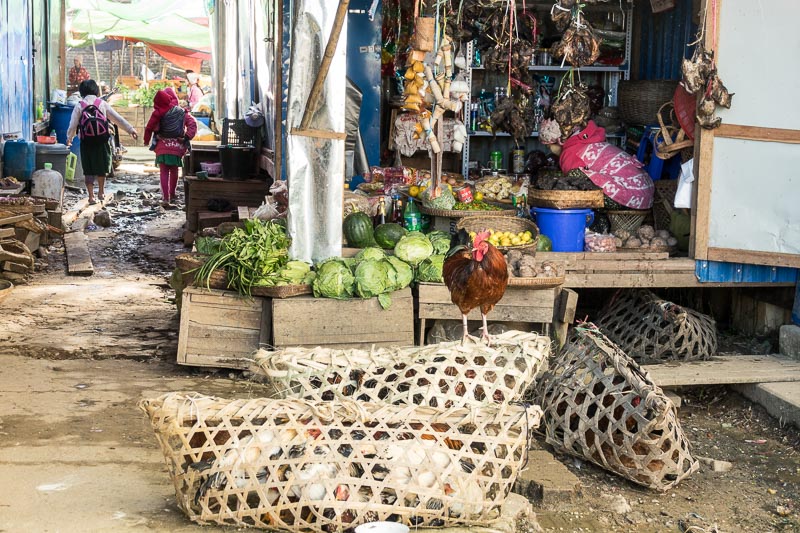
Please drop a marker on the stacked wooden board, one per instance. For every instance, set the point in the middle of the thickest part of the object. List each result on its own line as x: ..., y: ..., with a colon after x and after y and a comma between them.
x: 248, y: 193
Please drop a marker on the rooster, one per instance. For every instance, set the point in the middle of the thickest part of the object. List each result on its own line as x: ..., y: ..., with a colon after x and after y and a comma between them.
x: 476, y: 276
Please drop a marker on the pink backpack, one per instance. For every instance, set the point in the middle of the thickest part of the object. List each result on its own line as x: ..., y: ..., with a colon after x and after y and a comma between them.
x: 93, y: 123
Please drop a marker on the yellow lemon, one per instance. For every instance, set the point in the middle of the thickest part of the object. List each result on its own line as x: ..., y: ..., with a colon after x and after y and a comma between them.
x: 413, y: 191
x: 529, y: 234
x: 479, y: 196
x: 526, y: 238
x: 505, y: 242
x: 516, y: 241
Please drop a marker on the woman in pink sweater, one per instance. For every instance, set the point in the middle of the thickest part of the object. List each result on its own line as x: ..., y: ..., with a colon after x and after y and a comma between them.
x: 172, y: 128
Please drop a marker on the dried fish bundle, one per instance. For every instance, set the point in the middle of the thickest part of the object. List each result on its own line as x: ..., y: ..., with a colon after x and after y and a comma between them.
x: 700, y: 75
x: 561, y: 13
x: 697, y: 70
x: 571, y: 109
x: 579, y: 46
x: 514, y: 118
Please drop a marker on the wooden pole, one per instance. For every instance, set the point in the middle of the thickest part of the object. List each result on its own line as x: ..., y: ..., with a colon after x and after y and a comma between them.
x: 132, y: 51
x: 62, y: 48
x: 330, y: 49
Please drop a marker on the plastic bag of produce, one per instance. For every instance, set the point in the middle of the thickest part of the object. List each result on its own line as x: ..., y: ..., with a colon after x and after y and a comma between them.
x: 599, y: 242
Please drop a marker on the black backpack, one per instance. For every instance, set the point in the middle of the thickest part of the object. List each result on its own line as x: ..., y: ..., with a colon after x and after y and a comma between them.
x: 171, y: 125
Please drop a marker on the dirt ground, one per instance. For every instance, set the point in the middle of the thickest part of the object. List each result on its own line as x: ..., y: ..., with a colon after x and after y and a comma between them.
x: 76, y: 454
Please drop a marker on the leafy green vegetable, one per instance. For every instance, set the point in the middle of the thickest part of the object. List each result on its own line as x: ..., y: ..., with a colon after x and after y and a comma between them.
x: 207, y: 245
x: 334, y: 280
x: 431, y: 269
x: 413, y: 248
x: 252, y: 256
x: 440, y: 241
x: 370, y: 253
x: 403, y: 273
x: 372, y: 278
x: 385, y: 300
x: 295, y: 272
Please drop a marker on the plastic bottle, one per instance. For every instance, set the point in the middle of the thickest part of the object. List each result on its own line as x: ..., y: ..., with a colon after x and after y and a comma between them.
x: 48, y: 183
x: 412, y: 218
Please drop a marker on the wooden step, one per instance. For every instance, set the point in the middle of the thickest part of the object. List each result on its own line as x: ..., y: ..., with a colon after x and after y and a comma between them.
x: 726, y: 370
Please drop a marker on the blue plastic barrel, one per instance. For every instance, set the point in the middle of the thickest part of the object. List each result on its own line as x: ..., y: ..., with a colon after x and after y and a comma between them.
x: 565, y: 227
x: 19, y: 159
x: 60, y: 116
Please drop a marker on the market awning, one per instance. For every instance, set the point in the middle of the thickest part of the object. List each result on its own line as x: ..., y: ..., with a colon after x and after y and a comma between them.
x: 175, y: 29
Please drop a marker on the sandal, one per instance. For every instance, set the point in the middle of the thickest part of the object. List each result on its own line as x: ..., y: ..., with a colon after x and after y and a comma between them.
x: 92, y: 202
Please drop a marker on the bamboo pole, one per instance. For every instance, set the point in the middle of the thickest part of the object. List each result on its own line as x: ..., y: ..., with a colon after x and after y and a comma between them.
x: 316, y: 90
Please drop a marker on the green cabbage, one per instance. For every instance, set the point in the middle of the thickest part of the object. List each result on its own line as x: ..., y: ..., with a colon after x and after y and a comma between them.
x: 431, y: 269
x: 440, y: 241
x: 294, y: 272
x: 413, y: 249
x: 334, y: 280
x: 403, y: 273
x: 372, y: 278
x: 370, y: 253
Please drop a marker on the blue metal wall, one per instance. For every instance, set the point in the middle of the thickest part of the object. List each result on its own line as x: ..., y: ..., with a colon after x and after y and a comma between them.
x: 16, y: 91
x: 714, y: 271
x: 663, y: 39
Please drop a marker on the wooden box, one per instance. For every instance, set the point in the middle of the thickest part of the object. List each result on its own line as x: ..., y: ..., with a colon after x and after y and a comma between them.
x: 249, y: 193
x: 519, y: 304
x: 308, y: 321
x: 220, y: 328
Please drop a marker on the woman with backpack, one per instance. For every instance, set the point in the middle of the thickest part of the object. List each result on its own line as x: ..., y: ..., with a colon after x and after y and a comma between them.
x: 171, y: 127
x: 90, y: 121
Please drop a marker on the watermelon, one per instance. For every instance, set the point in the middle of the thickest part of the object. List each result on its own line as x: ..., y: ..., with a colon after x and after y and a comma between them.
x: 544, y: 244
x: 387, y: 235
x: 357, y: 230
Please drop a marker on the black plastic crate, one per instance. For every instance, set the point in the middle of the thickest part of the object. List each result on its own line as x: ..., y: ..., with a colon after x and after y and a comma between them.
x: 236, y: 132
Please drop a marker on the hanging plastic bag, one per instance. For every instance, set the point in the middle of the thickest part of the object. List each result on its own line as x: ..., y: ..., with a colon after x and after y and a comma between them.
x: 683, y: 195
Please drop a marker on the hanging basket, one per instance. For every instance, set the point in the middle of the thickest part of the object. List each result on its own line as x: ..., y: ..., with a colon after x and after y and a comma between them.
x: 442, y: 375
x: 599, y: 405
x: 652, y: 330
x: 424, y: 34
x: 330, y: 466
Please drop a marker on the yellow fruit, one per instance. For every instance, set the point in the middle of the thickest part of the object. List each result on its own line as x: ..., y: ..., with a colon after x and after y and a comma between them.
x: 505, y: 242
x: 413, y: 191
x: 526, y: 238
x: 472, y: 234
x: 529, y: 234
x: 516, y: 241
x: 422, y: 189
x: 450, y: 187
x: 479, y: 196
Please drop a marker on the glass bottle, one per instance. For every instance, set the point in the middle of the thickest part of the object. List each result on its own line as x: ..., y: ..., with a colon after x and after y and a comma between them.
x: 380, y: 215
x: 397, y: 210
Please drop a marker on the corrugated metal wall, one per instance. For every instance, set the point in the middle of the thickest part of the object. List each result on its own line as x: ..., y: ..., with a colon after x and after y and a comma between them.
x: 660, y: 40
x: 15, y: 68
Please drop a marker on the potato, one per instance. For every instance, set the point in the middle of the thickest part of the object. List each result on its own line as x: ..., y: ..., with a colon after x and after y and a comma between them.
x: 663, y: 234
x: 672, y: 241
x: 633, y: 242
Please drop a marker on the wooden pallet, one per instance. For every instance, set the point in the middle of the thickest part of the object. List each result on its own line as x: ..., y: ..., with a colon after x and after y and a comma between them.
x: 248, y: 193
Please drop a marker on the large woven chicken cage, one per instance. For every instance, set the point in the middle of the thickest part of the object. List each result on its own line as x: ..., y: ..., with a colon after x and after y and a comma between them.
x: 330, y: 466
x: 442, y: 375
x: 601, y: 406
x: 652, y: 330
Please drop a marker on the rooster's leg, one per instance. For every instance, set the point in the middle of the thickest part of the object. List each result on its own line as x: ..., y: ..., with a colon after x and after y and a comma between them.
x: 466, y: 329
x: 485, y: 331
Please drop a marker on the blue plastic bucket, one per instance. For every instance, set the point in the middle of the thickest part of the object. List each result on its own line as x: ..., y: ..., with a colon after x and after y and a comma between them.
x: 60, y: 116
x: 565, y: 227
x: 19, y: 159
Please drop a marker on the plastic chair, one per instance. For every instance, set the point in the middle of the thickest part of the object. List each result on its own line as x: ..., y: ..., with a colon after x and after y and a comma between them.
x: 656, y: 167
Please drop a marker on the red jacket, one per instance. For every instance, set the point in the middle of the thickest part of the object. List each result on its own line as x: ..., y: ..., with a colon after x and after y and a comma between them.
x: 164, y: 100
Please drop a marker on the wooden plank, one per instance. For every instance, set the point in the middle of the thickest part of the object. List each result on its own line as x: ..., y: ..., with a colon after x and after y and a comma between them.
x: 7, y: 221
x: 6, y: 232
x: 678, y: 264
x: 515, y: 296
x: 227, y: 299
x: 568, y: 304
x: 229, y: 317
x: 305, y: 320
x: 500, y: 313
x: 243, y: 211
x: 727, y: 370
x: 753, y: 257
x: 755, y: 133
x: 632, y: 279
x: 79, y: 261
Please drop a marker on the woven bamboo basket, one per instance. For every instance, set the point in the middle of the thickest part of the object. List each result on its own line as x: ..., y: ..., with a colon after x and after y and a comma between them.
x: 330, y: 466
x: 5, y: 289
x: 663, y: 200
x: 652, y: 330
x: 442, y: 375
x: 566, y: 199
x: 454, y: 213
x: 539, y: 283
x: 512, y: 224
x: 281, y: 291
x: 601, y: 406
x: 640, y: 100
x: 628, y: 219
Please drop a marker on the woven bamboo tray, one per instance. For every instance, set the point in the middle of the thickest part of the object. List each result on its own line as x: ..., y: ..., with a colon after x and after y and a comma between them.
x: 453, y: 213
x: 538, y: 283
x: 600, y: 405
x: 652, y: 330
x: 304, y: 466
x: 281, y: 291
x: 5, y: 289
x: 500, y: 223
x: 566, y: 199
x: 440, y: 375
x: 626, y: 219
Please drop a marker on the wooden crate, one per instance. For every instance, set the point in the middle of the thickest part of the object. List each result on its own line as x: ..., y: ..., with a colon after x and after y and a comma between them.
x: 220, y: 328
x: 249, y: 193
x: 554, y: 306
x: 308, y: 321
